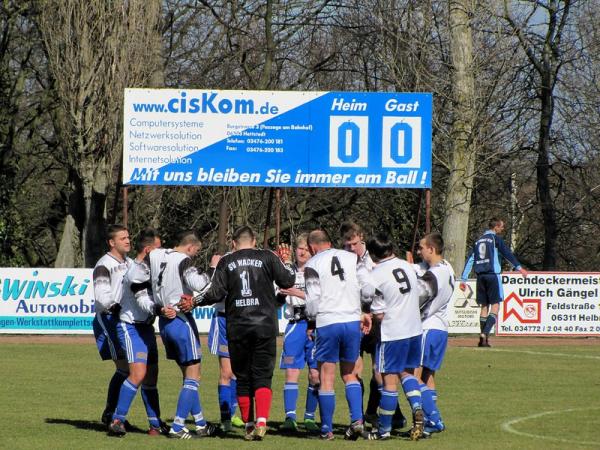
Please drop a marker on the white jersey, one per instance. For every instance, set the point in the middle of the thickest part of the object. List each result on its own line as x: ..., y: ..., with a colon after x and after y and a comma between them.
x: 108, y: 277
x: 333, y: 287
x: 292, y: 301
x: 439, y: 281
x: 366, y: 260
x: 397, y: 296
x: 137, y: 304
x: 173, y: 275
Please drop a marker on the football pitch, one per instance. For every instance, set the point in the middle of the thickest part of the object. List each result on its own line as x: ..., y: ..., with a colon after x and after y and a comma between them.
x: 520, y: 394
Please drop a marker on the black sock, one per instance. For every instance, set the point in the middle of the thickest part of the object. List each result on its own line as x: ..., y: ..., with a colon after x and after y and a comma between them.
x: 374, y: 397
x: 114, y: 387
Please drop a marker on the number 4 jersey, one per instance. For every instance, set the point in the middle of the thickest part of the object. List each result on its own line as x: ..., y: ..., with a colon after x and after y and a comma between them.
x: 333, y: 286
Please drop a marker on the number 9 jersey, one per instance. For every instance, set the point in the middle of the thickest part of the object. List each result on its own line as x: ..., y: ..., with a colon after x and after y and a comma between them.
x: 396, y: 280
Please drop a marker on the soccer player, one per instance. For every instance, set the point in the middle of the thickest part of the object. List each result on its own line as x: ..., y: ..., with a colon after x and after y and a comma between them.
x: 438, y: 290
x: 333, y: 287
x: 137, y: 339
x: 174, y: 275
x: 218, y: 345
x: 485, y: 258
x: 108, y: 276
x: 245, y: 278
x: 353, y: 239
x: 396, y: 305
x: 298, y: 345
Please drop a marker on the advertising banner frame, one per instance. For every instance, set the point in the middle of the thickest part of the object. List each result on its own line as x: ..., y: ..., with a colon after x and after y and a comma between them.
x: 277, y: 138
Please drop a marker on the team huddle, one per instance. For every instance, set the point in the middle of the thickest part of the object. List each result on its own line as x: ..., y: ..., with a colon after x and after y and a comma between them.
x: 339, y: 304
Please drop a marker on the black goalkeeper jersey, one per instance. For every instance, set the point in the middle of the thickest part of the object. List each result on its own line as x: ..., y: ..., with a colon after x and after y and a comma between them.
x: 245, y: 279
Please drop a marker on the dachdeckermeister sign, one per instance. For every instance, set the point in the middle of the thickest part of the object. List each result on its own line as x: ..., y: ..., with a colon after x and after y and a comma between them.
x: 550, y: 304
x: 279, y: 139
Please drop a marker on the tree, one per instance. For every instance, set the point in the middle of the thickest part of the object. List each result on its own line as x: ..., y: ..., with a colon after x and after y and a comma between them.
x: 30, y: 204
x: 544, y: 51
x: 95, y: 49
x: 462, y: 165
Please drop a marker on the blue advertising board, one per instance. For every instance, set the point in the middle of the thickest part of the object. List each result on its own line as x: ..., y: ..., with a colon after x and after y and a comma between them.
x: 278, y: 139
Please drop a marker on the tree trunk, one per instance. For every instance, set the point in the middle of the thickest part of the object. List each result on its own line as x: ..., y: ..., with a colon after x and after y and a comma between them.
x: 543, y: 175
x: 69, y: 250
x: 460, y: 181
x: 95, y: 219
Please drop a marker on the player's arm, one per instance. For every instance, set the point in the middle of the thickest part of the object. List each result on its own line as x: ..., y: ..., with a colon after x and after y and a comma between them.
x: 217, y: 289
x: 102, y: 291
x: 508, y: 255
x: 313, y: 291
x: 428, y: 288
x: 467, y: 270
x: 365, y: 281
x: 137, y: 279
x: 145, y: 301
x: 378, y: 306
x: 284, y: 273
x: 294, y: 292
x: 192, y: 278
x: 141, y: 292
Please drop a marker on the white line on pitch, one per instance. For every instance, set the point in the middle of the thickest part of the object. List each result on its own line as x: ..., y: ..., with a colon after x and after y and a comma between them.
x: 507, y: 426
x: 530, y: 352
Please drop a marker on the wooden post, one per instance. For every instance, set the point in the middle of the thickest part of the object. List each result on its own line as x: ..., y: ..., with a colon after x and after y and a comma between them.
x: 268, y: 218
x: 125, y: 206
x: 417, y: 220
x: 277, y: 214
x: 427, y: 211
x: 223, y: 221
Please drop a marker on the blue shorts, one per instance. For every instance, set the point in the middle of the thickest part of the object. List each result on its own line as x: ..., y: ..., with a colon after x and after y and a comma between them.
x: 489, y: 289
x: 217, y: 336
x: 397, y: 356
x: 138, y: 342
x: 107, y: 341
x: 338, y: 342
x: 180, y: 337
x: 433, y: 348
x: 298, y: 348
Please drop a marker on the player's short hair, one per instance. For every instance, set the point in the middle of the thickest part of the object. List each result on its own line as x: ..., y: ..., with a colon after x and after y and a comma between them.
x: 302, y: 238
x: 243, y: 234
x: 436, y: 241
x: 319, y: 237
x: 380, y: 246
x: 187, y: 237
x: 494, y: 222
x: 146, y: 238
x: 350, y: 229
x: 113, y: 229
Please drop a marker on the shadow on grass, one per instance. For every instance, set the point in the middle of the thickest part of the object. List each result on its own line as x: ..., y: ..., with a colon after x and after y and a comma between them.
x: 274, y: 429
x: 90, y: 425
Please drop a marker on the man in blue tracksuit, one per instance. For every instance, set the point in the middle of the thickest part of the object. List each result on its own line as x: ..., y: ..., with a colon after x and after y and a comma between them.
x: 484, y: 258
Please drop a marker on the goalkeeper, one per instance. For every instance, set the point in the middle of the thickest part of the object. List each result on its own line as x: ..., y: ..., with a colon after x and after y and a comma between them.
x: 245, y: 278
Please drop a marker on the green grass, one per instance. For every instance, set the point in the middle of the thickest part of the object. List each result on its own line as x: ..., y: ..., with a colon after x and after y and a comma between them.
x: 52, y: 396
